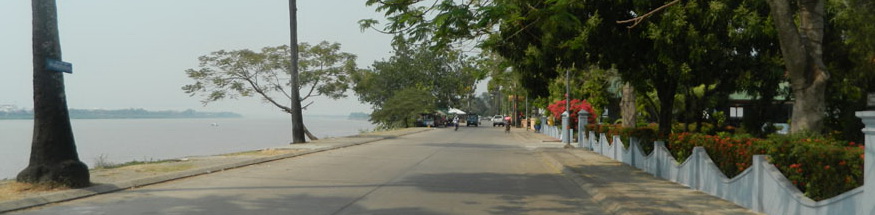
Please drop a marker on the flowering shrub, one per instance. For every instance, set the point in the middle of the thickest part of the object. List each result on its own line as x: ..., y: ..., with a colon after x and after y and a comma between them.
x: 558, y: 107
x: 821, y: 168
x: 732, y: 155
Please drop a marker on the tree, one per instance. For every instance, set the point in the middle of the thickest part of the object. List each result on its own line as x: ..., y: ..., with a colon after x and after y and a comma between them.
x: 802, y: 48
x: 298, y: 128
x: 849, y: 51
x: 446, y: 75
x: 325, y: 71
x: 53, y: 156
x: 402, y: 109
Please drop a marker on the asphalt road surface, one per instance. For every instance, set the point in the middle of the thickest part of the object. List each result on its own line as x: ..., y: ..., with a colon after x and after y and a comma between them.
x: 475, y: 170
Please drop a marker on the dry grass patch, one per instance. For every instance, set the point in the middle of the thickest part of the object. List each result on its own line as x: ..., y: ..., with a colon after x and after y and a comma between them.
x: 12, y: 190
x: 164, y: 168
x: 263, y: 152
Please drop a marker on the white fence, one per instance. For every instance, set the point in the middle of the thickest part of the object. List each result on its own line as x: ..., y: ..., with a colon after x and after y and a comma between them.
x: 761, y: 187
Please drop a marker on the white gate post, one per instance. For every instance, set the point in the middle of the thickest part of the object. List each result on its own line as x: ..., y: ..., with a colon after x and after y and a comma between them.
x: 869, y: 161
x: 582, y: 120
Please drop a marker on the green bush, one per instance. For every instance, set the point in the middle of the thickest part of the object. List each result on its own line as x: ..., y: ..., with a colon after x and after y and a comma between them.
x: 732, y: 155
x: 645, y: 135
x: 821, y: 168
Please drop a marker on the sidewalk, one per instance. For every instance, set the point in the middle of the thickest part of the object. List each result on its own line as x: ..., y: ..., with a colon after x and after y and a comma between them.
x: 622, y: 189
x: 111, y: 180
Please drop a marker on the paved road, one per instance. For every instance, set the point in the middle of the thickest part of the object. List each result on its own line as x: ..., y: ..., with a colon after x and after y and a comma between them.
x: 476, y: 170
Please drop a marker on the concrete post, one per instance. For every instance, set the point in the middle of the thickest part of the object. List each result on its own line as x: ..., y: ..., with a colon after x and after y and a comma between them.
x: 544, y: 125
x: 566, y: 132
x: 757, y: 192
x: 869, y: 161
x: 582, y: 120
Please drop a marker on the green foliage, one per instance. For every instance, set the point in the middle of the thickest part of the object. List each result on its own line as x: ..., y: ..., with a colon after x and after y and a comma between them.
x: 645, y: 134
x: 851, y: 60
x: 728, y: 46
x: 402, y: 109
x: 819, y: 167
x: 323, y: 71
x: 732, y: 155
x: 446, y: 75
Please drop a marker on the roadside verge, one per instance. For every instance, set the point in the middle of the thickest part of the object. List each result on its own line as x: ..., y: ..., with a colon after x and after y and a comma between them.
x: 106, y: 181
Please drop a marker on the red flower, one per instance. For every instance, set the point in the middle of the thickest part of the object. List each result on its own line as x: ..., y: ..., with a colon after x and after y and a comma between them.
x: 826, y: 167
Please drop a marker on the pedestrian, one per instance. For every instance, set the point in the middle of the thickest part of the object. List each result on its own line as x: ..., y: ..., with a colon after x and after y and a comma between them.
x: 456, y: 122
x: 507, y: 127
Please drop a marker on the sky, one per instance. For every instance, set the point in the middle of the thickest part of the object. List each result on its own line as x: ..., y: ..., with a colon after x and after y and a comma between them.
x: 133, y: 54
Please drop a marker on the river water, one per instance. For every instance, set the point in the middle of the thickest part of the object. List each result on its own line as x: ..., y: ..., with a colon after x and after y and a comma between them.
x: 123, y: 140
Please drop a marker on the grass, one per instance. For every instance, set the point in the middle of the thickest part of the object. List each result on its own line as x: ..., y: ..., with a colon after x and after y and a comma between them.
x: 102, y: 162
x: 165, y: 168
x: 263, y: 152
x: 12, y: 189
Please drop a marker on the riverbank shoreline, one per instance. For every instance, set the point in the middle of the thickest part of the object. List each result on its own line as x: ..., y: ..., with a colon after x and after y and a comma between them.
x: 132, y: 176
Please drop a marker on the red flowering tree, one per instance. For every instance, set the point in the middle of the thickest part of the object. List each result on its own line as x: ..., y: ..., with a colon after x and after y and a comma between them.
x: 558, y: 107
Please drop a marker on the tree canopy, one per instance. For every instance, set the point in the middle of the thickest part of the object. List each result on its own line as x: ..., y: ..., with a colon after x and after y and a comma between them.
x: 446, y: 76
x: 700, y: 51
x: 324, y: 71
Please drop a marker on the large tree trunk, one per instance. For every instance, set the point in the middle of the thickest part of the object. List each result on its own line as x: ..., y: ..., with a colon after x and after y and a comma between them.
x: 53, y: 156
x: 297, y: 116
x: 802, y: 50
x: 666, y: 91
x: 628, y: 106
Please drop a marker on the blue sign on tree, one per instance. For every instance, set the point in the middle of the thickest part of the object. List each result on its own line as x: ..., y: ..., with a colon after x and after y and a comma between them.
x: 59, y: 66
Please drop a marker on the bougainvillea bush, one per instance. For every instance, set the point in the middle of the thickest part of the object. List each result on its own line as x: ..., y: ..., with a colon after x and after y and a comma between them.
x: 558, y: 107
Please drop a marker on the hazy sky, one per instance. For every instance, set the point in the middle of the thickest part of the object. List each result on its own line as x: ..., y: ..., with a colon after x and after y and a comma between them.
x: 133, y: 54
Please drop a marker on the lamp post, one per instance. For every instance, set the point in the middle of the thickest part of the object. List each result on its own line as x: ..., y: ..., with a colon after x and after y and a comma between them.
x: 566, y: 132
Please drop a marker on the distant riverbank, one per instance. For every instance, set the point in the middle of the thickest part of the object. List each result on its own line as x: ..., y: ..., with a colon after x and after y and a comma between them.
x: 124, y: 114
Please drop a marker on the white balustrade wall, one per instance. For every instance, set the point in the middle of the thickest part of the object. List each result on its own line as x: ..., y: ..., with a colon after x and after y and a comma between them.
x: 761, y: 187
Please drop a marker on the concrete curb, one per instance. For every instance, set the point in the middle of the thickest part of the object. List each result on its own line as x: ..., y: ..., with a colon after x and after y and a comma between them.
x: 72, y: 194
x: 611, y: 205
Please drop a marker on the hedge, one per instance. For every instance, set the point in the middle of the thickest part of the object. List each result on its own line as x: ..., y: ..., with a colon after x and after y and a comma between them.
x: 821, y: 168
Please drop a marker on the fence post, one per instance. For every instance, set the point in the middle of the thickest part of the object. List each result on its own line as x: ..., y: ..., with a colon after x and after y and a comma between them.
x: 868, y: 118
x: 544, y: 125
x: 757, y: 186
x: 566, y: 133
x: 582, y: 118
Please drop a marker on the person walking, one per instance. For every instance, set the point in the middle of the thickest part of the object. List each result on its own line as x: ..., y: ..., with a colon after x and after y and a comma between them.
x: 456, y: 122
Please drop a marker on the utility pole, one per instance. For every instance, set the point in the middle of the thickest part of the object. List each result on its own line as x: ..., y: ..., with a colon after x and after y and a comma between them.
x: 568, y: 91
x: 297, y: 117
x: 566, y: 132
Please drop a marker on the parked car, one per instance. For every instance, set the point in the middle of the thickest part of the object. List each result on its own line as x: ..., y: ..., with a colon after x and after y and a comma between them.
x: 473, y: 120
x: 498, y: 120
